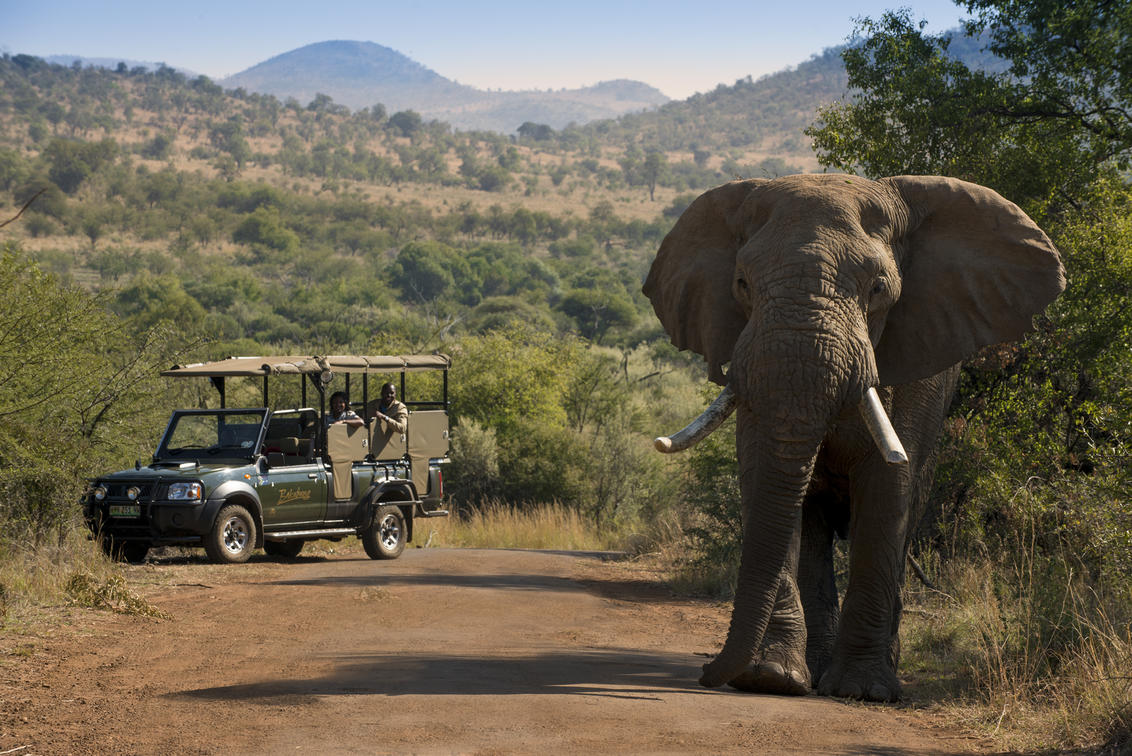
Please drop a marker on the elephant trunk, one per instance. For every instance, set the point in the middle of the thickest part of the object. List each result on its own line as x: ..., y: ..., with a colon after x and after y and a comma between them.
x: 791, y: 389
x: 769, y: 530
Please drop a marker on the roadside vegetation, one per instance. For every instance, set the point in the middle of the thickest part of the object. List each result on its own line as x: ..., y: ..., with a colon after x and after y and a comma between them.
x: 163, y: 220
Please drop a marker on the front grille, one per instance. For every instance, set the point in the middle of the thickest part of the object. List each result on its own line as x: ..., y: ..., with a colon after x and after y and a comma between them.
x: 118, y: 490
x: 124, y: 526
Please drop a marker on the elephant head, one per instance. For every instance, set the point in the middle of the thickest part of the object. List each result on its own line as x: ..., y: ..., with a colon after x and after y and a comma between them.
x: 815, y: 290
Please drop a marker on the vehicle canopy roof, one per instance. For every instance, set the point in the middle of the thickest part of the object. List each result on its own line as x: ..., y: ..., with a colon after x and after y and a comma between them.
x: 311, y: 365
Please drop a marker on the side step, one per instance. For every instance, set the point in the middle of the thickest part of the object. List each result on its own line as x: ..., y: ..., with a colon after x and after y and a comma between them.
x: 323, y: 533
x: 433, y: 513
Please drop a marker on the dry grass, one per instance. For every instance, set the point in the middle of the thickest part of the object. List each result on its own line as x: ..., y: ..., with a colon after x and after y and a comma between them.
x: 1029, y: 664
x: 112, y: 594
x: 496, y: 525
x: 36, y: 576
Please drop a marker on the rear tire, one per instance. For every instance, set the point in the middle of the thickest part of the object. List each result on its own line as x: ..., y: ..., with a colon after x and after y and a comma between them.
x: 282, y: 549
x: 385, y: 538
x: 232, y: 538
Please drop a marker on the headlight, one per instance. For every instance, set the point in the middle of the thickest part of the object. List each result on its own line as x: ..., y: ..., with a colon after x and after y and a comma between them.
x: 132, y: 493
x: 185, y: 492
x: 99, y: 493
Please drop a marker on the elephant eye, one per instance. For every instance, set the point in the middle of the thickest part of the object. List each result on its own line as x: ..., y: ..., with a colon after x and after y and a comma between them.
x: 741, y: 283
x: 880, y: 287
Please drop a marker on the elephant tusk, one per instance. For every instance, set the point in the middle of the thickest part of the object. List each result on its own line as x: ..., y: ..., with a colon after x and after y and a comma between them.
x: 702, y: 426
x: 884, y: 435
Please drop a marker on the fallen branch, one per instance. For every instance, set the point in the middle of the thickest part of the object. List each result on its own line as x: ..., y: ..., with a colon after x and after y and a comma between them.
x: 27, y: 204
x: 921, y: 575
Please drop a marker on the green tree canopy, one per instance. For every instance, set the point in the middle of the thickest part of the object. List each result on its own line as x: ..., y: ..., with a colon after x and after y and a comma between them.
x: 77, y: 392
x: 72, y: 162
x: 407, y: 122
x: 1042, y: 130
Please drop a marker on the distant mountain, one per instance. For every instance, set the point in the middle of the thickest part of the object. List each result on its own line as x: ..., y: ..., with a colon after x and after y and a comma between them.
x: 769, y: 113
x: 362, y: 74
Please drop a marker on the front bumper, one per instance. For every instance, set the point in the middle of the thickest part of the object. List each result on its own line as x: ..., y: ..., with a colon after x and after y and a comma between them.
x: 156, y: 522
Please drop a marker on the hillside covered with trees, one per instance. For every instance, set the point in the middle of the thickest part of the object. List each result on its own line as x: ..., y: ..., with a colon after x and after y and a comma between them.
x: 207, y: 223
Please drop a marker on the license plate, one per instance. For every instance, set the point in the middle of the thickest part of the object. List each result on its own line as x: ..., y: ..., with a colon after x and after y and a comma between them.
x: 125, y: 510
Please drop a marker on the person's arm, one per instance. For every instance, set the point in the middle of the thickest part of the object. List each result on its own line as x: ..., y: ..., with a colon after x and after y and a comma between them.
x: 397, y: 419
x: 350, y: 418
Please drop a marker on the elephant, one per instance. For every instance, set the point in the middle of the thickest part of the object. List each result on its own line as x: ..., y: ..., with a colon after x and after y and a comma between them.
x: 841, y: 308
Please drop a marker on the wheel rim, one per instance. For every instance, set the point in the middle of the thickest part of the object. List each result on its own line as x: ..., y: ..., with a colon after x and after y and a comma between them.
x: 235, y: 535
x: 389, y: 532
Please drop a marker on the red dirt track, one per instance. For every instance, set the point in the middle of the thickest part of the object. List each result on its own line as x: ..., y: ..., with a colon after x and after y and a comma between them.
x: 442, y: 651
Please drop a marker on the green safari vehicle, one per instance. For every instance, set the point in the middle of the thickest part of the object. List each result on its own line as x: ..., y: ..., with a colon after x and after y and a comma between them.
x: 232, y: 480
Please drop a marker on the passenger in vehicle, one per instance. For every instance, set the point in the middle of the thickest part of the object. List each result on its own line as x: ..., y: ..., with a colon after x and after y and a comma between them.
x: 340, y: 411
x: 392, y: 412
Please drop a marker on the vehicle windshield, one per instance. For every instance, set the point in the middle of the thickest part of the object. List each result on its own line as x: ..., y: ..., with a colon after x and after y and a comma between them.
x: 215, y: 433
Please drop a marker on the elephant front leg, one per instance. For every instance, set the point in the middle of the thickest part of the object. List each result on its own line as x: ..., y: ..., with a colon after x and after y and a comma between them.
x: 779, y: 666
x: 864, y: 663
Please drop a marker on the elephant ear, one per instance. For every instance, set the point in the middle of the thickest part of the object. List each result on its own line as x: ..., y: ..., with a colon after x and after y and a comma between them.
x: 975, y: 271
x: 689, y: 283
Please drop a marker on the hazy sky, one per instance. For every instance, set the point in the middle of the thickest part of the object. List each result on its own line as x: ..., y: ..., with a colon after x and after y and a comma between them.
x: 678, y: 47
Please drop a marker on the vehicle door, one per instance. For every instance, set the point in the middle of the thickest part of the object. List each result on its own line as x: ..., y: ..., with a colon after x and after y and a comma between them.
x: 292, y: 494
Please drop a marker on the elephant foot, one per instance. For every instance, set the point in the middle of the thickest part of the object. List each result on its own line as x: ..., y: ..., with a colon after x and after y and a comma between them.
x: 779, y: 668
x: 872, y: 680
x: 771, y: 677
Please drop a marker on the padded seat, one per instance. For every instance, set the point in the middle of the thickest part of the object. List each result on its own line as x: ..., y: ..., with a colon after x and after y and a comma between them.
x: 292, y: 449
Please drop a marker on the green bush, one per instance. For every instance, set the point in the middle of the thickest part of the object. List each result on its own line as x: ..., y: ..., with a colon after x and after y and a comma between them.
x: 78, y: 394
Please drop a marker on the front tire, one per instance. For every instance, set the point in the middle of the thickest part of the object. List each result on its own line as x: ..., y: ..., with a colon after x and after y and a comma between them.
x: 133, y: 552
x: 385, y: 539
x: 232, y: 538
x: 282, y: 549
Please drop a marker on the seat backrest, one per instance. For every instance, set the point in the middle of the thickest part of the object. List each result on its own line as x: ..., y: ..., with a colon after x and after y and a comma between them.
x: 282, y: 427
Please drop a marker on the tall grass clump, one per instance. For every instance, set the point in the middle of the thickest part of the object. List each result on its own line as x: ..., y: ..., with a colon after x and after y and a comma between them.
x: 1031, y: 637
x: 39, y: 576
x: 496, y: 524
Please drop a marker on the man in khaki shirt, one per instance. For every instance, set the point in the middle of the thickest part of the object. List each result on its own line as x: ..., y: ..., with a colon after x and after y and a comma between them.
x: 391, y: 411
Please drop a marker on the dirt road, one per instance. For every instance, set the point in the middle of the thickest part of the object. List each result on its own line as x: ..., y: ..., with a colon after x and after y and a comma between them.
x: 441, y: 651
